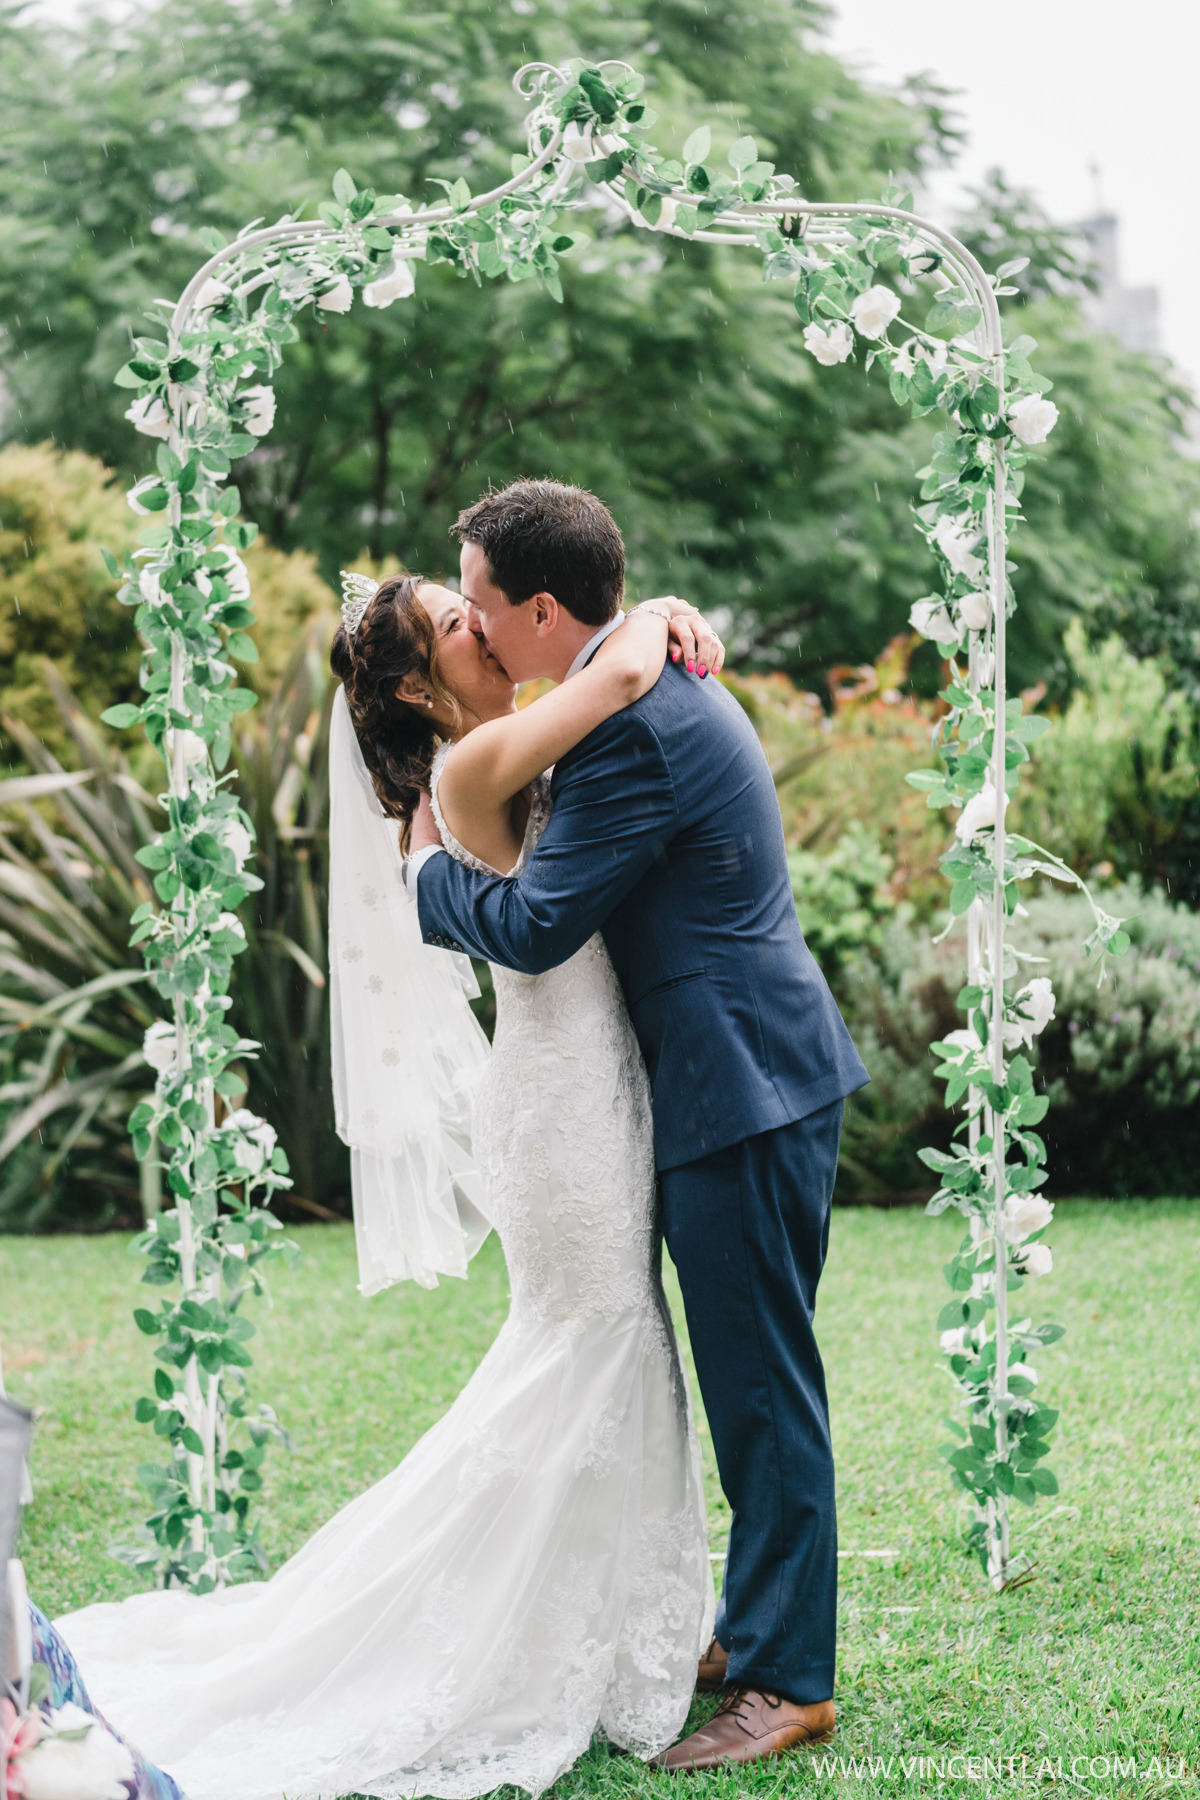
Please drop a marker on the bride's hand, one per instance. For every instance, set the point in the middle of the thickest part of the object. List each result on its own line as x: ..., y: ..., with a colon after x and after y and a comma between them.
x: 691, y: 637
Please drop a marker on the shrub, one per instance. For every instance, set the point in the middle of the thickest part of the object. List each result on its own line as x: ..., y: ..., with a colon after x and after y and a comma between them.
x: 846, y: 768
x: 1117, y: 781
x: 59, y: 604
x: 843, y: 899
x: 1119, y: 1061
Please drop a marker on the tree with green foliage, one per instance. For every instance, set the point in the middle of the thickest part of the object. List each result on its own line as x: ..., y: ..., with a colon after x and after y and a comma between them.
x: 679, y: 390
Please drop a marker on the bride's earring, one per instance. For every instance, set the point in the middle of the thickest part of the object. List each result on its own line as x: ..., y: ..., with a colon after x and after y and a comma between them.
x: 429, y: 700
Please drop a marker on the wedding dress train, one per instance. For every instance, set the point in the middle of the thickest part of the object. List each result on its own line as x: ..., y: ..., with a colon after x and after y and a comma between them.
x: 536, y: 1569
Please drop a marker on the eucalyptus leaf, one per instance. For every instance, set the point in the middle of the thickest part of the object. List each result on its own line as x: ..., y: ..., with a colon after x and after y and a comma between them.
x: 698, y: 145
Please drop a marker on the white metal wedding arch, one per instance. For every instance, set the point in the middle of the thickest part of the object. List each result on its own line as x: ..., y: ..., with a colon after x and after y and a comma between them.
x: 201, y: 393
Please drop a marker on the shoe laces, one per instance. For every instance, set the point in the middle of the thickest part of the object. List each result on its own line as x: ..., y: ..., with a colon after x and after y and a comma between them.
x: 736, y: 1701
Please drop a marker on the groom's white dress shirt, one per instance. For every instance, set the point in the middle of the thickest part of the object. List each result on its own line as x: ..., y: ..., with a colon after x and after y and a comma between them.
x: 414, y: 864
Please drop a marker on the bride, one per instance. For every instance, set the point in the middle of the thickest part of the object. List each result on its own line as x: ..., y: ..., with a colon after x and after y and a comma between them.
x: 536, y: 1570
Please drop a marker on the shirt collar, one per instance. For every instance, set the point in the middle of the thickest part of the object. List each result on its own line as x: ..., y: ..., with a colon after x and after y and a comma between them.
x: 593, y: 644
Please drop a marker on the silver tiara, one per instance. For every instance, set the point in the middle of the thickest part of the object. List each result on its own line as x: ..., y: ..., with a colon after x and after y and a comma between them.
x: 358, y: 591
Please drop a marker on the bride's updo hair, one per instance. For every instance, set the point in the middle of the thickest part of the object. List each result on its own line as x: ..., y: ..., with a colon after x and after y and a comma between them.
x: 395, y: 638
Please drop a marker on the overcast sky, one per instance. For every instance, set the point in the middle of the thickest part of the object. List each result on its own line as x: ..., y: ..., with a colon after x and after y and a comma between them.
x: 1048, y: 88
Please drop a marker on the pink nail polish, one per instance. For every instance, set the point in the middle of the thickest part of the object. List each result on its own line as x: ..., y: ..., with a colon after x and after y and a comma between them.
x: 702, y: 671
x: 691, y: 665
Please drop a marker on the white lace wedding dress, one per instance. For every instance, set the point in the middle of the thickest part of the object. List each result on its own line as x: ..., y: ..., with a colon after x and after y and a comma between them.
x: 536, y: 1570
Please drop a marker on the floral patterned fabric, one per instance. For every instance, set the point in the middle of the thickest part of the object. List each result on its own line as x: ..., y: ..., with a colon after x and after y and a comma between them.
x: 67, y: 1686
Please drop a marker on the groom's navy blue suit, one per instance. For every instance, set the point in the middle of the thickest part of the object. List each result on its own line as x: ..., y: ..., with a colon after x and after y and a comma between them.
x: 666, y: 837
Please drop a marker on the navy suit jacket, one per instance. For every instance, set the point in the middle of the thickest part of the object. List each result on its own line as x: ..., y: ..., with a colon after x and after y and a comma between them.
x: 666, y: 837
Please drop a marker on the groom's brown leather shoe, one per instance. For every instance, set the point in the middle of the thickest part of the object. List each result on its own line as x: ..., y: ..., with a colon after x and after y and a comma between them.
x: 714, y: 1666
x: 750, y: 1727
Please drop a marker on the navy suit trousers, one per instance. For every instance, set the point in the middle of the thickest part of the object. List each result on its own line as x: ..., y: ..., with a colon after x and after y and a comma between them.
x: 747, y: 1229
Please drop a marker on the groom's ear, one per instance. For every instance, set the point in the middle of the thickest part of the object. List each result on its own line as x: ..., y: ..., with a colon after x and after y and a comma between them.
x: 544, y: 613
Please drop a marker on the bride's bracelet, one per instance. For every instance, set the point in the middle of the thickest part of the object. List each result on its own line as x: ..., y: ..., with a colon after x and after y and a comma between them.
x: 648, y: 606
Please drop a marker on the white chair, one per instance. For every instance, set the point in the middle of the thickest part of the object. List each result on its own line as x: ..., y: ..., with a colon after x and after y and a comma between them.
x: 16, y: 1430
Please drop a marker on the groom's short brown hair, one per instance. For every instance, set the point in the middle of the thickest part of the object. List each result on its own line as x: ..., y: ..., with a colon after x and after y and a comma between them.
x: 541, y: 537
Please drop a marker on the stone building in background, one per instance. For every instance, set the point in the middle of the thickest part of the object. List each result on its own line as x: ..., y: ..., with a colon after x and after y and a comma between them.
x: 1130, y: 313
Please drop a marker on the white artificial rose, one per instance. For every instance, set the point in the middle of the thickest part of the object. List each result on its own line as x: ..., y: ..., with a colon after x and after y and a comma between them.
x: 829, y: 345
x: 1034, y: 1006
x: 134, y: 497
x: 1033, y: 1009
x: 212, y: 294
x: 339, y: 298
x: 237, y: 840
x: 259, y: 409
x: 93, y: 1767
x: 1037, y: 1260
x: 873, y: 311
x: 234, y: 574
x: 158, y: 1046
x: 957, y: 544
x: 149, y: 414
x: 932, y: 619
x: 914, y: 351
x: 577, y: 143
x: 905, y: 357
x: 935, y: 354
x: 962, y: 1043
x: 956, y: 1341
x: 975, y: 610
x: 394, y: 282
x: 1025, y: 1214
x: 189, y: 403
x: 1038, y: 996
x: 977, y: 814
x: 257, y: 1140
x: 1033, y: 419
x: 150, y: 588
x: 195, y: 750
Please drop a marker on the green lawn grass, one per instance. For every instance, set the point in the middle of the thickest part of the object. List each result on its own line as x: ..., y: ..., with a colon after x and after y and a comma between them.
x: 1098, y: 1658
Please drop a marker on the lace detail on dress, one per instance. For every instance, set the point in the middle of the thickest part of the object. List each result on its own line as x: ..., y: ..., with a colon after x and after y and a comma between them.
x: 536, y: 1569
x: 487, y: 1463
x: 600, y: 1452
x: 539, y: 818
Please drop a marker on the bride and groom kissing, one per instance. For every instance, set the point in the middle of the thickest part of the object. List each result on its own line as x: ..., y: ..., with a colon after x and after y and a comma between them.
x: 667, y: 1065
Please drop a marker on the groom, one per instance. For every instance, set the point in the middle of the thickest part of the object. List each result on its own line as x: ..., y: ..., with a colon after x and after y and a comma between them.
x: 666, y: 837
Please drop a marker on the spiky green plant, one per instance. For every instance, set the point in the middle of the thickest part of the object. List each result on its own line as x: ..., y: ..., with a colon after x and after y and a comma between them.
x: 280, y: 994
x: 74, y: 1004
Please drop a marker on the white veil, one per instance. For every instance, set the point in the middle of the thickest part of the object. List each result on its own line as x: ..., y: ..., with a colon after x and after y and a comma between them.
x: 407, y: 1049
